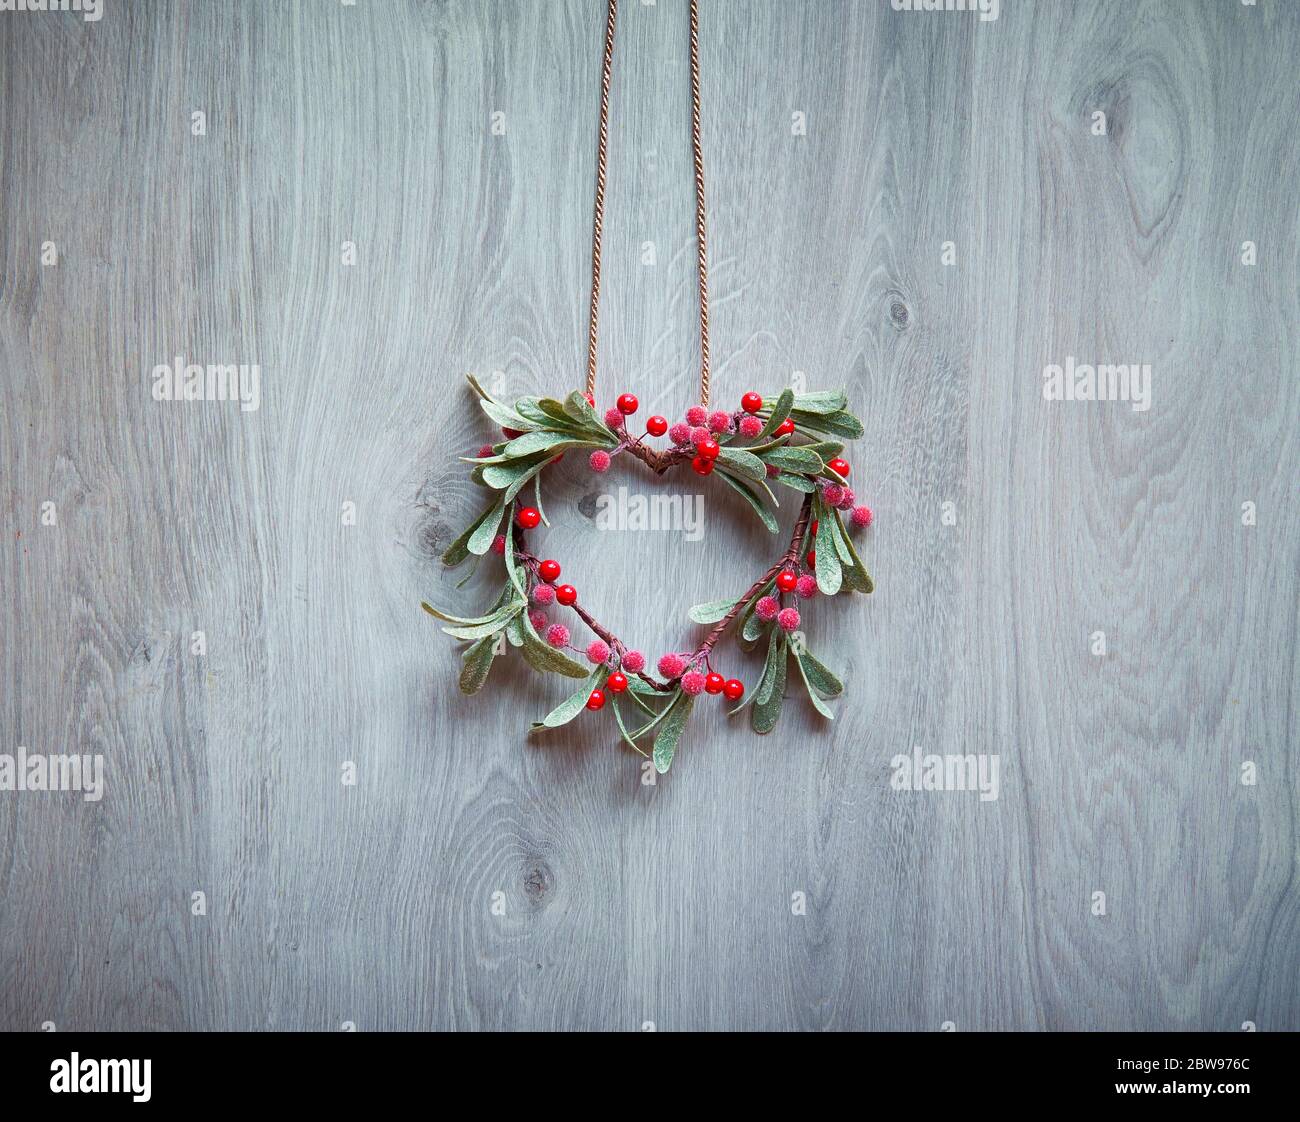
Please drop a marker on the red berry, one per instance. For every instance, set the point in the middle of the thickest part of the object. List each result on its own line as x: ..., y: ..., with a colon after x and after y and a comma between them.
x: 591, y: 399
x: 701, y: 466
x: 813, y: 528
x: 714, y: 683
x: 785, y: 428
x: 617, y: 682
x: 839, y: 467
x: 596, y: 700
x: 786, y: 580
x: 529, y: 517
x: 751, y: 402
x: 512, y: 433
x: 657, y: 425
x: 566, y: 594
x: 812, y: 558
x: 549, y: 570
x: 709, y: 449
x: 627, y: 404
x: 734, y: 689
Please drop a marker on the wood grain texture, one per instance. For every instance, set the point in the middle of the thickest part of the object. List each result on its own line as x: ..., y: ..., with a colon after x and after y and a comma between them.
x: 625, y: 903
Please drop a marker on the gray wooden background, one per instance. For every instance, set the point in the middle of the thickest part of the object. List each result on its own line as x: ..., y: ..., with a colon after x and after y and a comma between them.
x: 626, y: 903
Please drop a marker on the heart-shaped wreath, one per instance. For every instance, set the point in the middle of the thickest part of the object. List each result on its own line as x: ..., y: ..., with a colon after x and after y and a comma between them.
x: 784, y: 443
x: 787, y: 440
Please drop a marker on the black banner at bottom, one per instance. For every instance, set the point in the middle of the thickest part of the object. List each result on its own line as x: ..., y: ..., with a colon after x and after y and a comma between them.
x: 338, y: 1070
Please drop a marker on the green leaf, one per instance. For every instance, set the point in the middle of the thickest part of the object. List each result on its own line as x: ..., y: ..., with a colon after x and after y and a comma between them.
x: 501, y: 476
x: 797, y: 482
x: 462, y: 621
x: 670, y: 732
x: 531, y: 443
x: 547, y: 414
x: 826, y: 449
x: 519, y: 484
x: 712, y: 611
x: 743, y: 463
x: 780, y: 411
x: 841, y: 542
x: 836, y: 424
x: 558, y: 417
x: 578, y: 409
x: 775, y: 645
x: 478, y: 387
x: 856, y: 576
x: 455, y: 553
x: 537, y: 499
x: 798, y: 460
x: 829, y: 576
x: 571, y: 706
x: 818, y: 677
x: 512, y: 568
x: 823, y: 401
x: 478, y: 662
x: 622, y: 727
x: 749, y: 495
x: 490, y: 626
x: 485, y: 532
x: 767, y: 706
x: 504, y: 416
x: 515, y: 632
x: 543, y: 657
x: 818, y: 703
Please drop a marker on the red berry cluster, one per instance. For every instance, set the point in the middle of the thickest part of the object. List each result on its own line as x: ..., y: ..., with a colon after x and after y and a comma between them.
x: 695, y: 681
x: 698, y: 432
x: 838, y: 494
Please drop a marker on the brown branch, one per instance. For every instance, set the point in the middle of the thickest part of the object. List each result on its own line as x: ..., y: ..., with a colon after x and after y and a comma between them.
x: 658, y: 462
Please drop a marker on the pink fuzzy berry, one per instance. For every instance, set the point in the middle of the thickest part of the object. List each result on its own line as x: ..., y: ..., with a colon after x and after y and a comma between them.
x: 697, y: 415
x: 720, y: 421
x: 847, y: 499
x: 597, y: 651
x: 767, y: 608
x: 634, y: 662
x: 806, y: 587
x: 485, y: 450
x: 538, y: 620
x: 499, y: 544
x: 699, y: 435
x: 557, y: 635
x: 672, y: 665
x: 543, y: 594
x: 693, y: 683
x: 599, y: 459
x: 750, y: 426
x: 862, y: 516
x: 833, y: 494
x: 788, y: 619
x: 614, y: 419
x: 680, y: 433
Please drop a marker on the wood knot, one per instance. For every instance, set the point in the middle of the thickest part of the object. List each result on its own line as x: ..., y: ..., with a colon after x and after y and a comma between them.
x: 539, y: 882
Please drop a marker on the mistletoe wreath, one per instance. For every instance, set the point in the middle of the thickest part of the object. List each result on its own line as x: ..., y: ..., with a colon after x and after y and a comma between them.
x: 791, y: 440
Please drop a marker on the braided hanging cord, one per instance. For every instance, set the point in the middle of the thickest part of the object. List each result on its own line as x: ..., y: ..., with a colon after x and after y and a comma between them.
x: 599, y: 217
